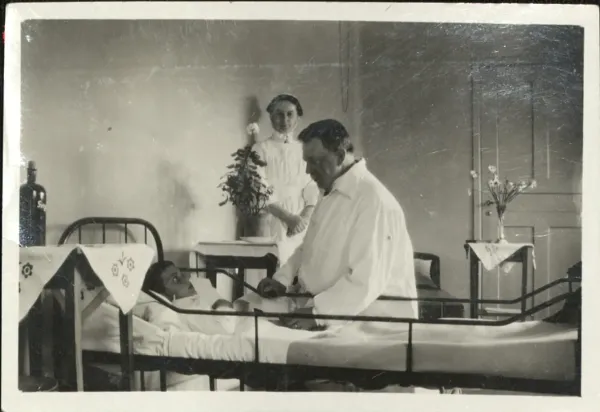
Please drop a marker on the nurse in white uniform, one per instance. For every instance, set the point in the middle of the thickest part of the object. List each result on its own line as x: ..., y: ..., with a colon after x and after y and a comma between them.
x: 294, y: 192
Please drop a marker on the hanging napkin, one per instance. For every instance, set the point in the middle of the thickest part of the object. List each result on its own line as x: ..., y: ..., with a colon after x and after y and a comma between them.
x: 121, y: 268
x: 493, y: 255
x: 37, y: 265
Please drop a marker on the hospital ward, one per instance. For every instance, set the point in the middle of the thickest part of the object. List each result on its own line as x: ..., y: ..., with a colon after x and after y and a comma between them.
x: 299, y: 206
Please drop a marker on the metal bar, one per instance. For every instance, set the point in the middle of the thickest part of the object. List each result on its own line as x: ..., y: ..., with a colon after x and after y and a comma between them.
x: 409, y: 355
x: 163, y: 380
x: 363, y: 318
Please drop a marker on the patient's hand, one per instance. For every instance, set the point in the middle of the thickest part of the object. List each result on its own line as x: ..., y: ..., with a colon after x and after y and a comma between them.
x: 301, y: 323
x: 270, y: 288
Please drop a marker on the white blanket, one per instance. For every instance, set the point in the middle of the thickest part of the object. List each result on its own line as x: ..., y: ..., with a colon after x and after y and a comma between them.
x: 533, y: 350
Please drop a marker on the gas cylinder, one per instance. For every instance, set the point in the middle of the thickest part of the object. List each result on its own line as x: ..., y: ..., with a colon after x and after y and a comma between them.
x: 32, y: 211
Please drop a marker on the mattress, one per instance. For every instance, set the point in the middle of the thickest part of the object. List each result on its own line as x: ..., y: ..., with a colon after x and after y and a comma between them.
x: 531, y: 350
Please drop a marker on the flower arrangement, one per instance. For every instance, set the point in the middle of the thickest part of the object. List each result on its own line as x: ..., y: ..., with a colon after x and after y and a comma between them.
x: 242, y: 185
x: 502, y: 193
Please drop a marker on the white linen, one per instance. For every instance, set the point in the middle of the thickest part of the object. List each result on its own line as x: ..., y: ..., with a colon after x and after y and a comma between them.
x: 533, y: 350
x: 293, y: 188
x: 120, y: 267
x: 101, y: 332
x: 493, y: 255
x: 356, y: 248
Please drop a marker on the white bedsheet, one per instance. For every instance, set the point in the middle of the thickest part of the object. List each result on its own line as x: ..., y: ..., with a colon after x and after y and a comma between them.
x: 534, y: 350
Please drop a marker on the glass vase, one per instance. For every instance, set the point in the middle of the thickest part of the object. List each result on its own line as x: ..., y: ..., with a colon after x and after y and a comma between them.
x: 501, y: 236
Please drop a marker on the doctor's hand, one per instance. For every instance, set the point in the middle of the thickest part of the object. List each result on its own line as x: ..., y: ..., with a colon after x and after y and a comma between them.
x: 270, y: 288
x: 301, y: 323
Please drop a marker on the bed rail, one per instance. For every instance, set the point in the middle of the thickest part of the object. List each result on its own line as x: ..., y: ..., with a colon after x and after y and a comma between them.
x: 409, y: 377
x: 80, y: 224
x: 570, y: 281
x: 284, y: 315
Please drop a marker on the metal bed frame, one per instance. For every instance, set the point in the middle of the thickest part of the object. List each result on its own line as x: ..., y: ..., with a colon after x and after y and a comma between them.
x: 266, y: 375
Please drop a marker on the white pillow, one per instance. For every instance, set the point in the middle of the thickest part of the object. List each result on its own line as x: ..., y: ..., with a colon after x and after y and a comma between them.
x: 423, y: 267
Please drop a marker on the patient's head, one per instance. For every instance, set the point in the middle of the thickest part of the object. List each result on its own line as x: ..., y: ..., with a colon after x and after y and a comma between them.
x: 166, y: 279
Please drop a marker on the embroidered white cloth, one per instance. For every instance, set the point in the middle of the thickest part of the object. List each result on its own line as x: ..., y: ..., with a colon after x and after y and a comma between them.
x: 236, y: 248
x: 493, y: 255
x: 121, y: 269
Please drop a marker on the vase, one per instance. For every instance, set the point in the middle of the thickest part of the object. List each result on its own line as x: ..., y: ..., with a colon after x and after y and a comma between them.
x: 255, y: 226
x: 501, y: 237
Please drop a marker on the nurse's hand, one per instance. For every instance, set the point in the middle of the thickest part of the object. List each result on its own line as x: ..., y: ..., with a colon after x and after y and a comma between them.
x: 270, y: 288
x: 296, y: 224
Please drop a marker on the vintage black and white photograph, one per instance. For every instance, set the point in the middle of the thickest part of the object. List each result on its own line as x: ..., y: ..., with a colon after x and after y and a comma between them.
x: 300, y: 202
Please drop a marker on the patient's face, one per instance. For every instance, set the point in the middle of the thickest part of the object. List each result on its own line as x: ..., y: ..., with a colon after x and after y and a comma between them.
x: 322, y: 165
x: 177, y: 285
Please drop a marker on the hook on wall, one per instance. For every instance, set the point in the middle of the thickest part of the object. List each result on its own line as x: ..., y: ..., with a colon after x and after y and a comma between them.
x: 344, y: 39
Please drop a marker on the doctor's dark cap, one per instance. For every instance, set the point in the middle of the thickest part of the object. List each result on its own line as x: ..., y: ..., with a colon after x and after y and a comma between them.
x: 285, y: 98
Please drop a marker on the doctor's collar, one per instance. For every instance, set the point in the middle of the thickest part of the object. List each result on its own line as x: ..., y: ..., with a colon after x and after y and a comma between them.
x: 347, y: 183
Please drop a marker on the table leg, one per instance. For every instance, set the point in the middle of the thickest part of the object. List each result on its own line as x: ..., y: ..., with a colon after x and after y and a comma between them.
x: 211, y: 275
x: 35, y: 337
x: 238, y: 287
x: 524, y: 273
x: 127, y: 370
x: 474, y: 285
x: 271, y: 263
x: 73, y: 334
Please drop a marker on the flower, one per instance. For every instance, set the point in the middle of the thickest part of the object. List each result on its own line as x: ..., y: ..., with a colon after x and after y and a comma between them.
x: 502, y: 192
x: 474, y: 174
x: 252, y: 129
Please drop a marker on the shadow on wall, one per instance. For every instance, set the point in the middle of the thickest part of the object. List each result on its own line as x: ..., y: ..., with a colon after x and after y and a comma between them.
x: 175, y: 202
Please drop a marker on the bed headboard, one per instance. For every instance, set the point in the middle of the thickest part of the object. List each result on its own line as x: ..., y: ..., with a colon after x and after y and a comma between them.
x: 126, y: 227
x: 427, y: 270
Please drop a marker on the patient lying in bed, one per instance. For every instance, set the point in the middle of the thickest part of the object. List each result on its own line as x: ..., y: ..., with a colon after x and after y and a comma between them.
x: 185, y: 292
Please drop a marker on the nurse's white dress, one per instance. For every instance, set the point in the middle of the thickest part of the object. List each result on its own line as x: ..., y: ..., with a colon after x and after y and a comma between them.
x: 293, y: 188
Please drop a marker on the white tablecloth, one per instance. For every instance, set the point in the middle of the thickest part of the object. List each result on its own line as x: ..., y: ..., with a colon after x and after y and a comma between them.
x: 493, y: 255
x: 236, y: 248
x: 120, y: 267
x: 240, y: 248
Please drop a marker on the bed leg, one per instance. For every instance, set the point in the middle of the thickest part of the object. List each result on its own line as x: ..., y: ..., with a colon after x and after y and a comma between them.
x: 211, y: 382
x: 242, y: 384
x: 163, y: 380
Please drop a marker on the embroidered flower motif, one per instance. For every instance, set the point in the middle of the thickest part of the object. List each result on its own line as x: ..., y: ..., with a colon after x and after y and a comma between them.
x: 27, y: 270
x: 130, y: 264
x: 115, y: 269
x: 125, y: 281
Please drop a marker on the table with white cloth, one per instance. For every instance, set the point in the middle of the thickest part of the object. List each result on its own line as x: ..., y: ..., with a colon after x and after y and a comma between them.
x: 240, y: 255
x: 78, y: 279
x: 492, y: 255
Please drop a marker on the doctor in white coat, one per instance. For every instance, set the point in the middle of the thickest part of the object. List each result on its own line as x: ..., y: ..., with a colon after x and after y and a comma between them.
x: 356, y: 247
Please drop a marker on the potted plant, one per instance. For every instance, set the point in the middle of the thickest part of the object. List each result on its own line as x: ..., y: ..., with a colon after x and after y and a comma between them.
x: 502, y: 193
x: 244, y: 188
